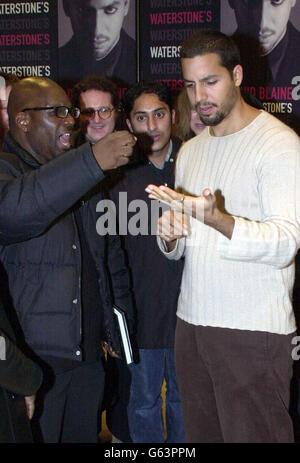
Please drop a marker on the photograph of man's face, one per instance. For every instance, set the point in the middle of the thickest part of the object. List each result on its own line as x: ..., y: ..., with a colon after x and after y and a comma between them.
x: 274, y: 18
x: 98, y: 21
x: 97, y: 37
x: 265, y: 19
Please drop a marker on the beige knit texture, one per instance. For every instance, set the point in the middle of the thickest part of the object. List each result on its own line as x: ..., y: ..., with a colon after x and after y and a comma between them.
x: 246, y: 282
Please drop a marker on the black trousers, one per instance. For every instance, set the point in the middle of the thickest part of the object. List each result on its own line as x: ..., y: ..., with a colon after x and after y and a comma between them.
x: 71, y: 407
x: 234, y: 384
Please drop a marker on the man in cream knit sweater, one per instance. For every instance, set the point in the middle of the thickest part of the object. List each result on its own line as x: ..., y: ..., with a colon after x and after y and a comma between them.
x: 239, y: 235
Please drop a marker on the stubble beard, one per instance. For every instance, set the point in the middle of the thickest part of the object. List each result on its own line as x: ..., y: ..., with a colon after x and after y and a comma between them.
x: 224, y: 110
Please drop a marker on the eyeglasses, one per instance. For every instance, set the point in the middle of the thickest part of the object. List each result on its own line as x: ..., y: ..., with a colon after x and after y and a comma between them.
x: 60, y: 111
x: 104, y: 112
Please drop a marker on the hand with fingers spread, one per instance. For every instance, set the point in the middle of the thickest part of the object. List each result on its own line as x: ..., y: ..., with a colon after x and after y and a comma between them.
x: 203, y: 208
x: 167, y: 196
x: 190, y: 205
x: 114, y: 150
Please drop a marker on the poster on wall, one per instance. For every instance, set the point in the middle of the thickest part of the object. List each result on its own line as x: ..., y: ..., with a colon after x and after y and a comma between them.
x: 96, y: 37
x: 28, y: 38
x: 163, y: 26
x: 268, y: 35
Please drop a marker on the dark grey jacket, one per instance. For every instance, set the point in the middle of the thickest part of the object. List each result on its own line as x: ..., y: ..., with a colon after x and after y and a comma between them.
x: 18, y: 375
x: 41, y: 251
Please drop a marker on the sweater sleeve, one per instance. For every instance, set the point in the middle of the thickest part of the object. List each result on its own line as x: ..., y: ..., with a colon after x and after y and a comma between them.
x: 176, y: 253
x: 31, y: 201
x: 275, y: 239
x: 120, y: 277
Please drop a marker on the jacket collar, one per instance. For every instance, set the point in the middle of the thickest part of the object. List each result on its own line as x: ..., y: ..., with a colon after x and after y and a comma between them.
x: 10, y: 145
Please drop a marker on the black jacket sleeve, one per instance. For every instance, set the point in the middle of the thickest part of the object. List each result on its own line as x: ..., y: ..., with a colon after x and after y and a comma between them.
x: 120, y: 276
x: 31, y: 201
x: 18, y: 374
x: 117, y: 267
x: 120, y: 280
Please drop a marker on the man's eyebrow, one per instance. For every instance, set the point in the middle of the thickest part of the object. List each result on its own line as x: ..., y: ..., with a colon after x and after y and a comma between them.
x: 210, y: 76
x: 114, y: 3
x: 141, y: 111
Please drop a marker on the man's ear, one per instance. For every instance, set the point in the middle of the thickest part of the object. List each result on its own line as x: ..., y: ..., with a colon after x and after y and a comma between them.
x: 237, y: 75
x: 23, y: 121
x: 129, y: 125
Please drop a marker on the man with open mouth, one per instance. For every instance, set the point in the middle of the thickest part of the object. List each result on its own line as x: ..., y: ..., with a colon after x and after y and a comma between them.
x: 59, y: 268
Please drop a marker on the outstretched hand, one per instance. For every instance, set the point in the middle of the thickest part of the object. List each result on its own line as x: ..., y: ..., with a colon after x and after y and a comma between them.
x: 199, y: 207
x: 203, y: 208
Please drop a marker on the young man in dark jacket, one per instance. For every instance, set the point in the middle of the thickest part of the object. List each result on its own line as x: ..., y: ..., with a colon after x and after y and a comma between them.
x: 156, y: 283
x: 60, y: 270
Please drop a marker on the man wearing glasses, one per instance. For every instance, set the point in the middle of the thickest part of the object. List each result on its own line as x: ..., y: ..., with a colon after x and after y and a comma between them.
x: 98, y: 100
x: 137, y: 415
x: 57, y: 265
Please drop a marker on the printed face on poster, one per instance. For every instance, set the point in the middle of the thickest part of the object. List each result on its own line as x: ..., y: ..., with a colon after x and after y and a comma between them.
x: 235, y: 12
x: 268, y: 35
x: 97, y: 37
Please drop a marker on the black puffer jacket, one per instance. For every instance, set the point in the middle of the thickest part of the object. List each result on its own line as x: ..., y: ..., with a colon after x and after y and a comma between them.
x: 18, y: 375
x: 41, y: 251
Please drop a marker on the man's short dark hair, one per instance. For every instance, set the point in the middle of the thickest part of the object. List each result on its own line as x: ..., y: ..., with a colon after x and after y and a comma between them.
x: 209, y: 41
x: 147, y: 86
x: 104, y: 84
